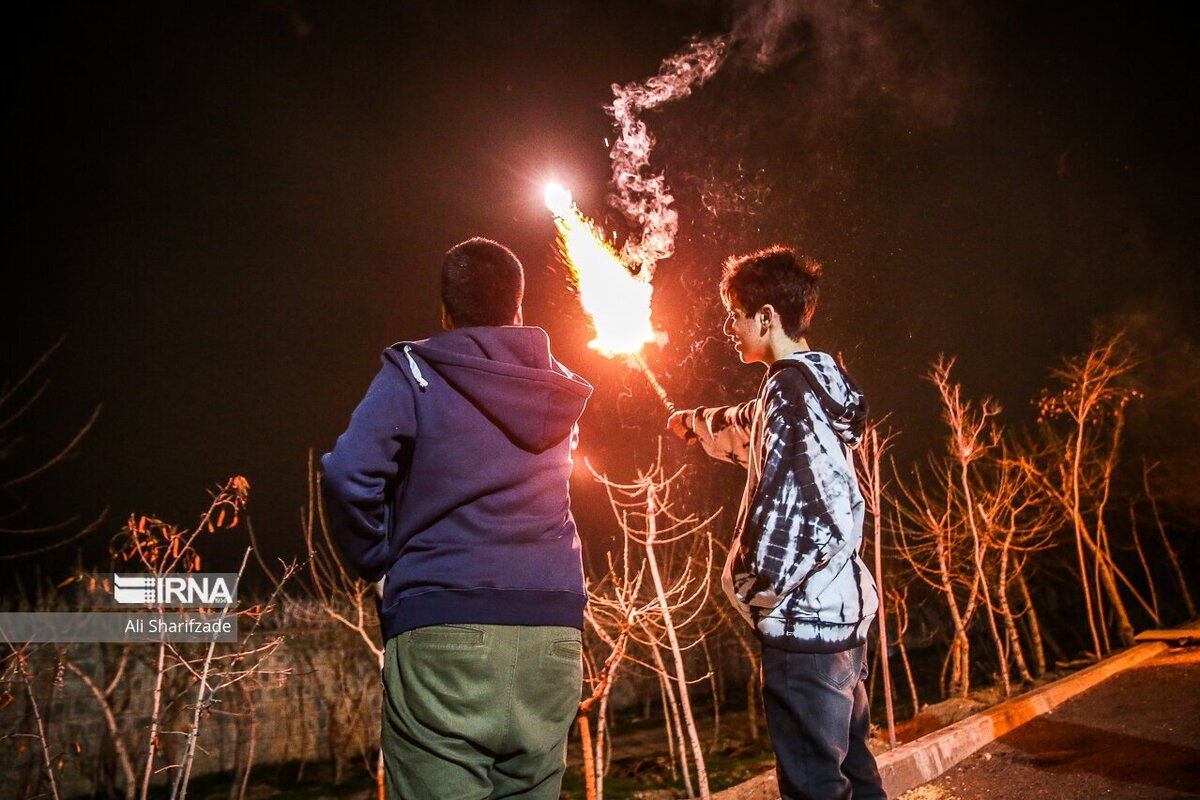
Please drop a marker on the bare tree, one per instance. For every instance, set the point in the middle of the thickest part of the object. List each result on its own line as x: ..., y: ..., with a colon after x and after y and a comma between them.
x: 340, y: 597
x: 972, y: 437
x: 940, y: 534
x: 18, y: 662
x: 1021, y: 521
x: 151, y: 545
x: 897, y: 598
x: 1077, y: 470
x: 870, y: 478
x: 104, y: 698
x: 615, y: 606
x: 647, y: 517
x: 162, y: 548
x: 747, y: 644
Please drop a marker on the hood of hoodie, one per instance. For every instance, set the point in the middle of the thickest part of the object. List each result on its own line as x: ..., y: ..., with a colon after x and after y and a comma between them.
x: 842, y: 400
x: 508, y: 374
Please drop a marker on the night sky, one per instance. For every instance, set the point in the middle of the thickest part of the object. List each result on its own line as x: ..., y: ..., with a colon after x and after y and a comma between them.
x: 229, y: 210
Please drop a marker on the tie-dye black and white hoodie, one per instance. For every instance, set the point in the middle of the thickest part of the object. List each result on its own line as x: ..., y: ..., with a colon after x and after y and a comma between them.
x: 794, y: 570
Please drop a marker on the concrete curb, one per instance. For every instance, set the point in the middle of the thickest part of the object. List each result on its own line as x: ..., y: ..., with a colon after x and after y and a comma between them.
x: 924, y: 759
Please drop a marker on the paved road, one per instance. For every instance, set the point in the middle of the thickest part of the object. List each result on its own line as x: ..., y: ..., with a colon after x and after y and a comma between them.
x: 1134, y: 737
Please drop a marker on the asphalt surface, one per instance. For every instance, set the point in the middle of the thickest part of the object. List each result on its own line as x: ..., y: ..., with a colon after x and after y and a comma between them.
x: 1134, y: 737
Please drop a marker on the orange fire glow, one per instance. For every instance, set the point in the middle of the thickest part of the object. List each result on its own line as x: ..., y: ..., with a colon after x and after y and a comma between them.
x: 617, y: 301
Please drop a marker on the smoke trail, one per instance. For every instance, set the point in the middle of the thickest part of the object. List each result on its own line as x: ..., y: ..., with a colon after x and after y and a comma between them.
x: 855, y: 55
x: 639, y: 194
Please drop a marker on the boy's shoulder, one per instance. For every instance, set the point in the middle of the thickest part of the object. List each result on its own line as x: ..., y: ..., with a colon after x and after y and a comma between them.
x: 816, y: 370
x: 814, y: 373
x: 785, y: 387
x: 796, y: 374
x: 786, y: 378
x: 815, y: 381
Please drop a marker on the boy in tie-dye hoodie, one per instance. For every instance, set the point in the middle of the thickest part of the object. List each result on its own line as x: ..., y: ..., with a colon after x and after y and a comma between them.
x: 794, y: 570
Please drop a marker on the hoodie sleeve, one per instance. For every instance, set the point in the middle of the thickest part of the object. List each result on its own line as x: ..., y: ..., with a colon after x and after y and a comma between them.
x: 790, y: 529
x: 724, y: 432
x: 362, y: 464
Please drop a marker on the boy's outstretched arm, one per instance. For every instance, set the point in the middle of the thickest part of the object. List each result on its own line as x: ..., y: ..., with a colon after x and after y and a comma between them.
x: 363, y: 463
x: 723, y: 432
x: 795, y: 522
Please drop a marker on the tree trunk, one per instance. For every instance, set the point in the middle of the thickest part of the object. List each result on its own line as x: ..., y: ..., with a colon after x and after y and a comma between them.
x: 963, y: 663
x: 912, y: 684
x: 680, y: 675
x: 1124, y: 626
x: 714, y: 686
x: 252, y: 737
x: 876, y: 489
x: 1080, y: 531
x: 671, y: 711
x: 1035, y: 629
x: 1141, y: 554
x: 589, y: 760
x: 979, y: 547
x: 152, y: 744
x: 41, y: 734
x: 1010, y: 624
x: 602, y: 741
x: 1014, y: 638
x: 736, y: 625
x: 883, y: 633
x: 1162, y: 532
x: 1104, y: 552
x: 123, y: 757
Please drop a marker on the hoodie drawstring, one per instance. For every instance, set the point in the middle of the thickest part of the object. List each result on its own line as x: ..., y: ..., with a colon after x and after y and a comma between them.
x: 416, y: 371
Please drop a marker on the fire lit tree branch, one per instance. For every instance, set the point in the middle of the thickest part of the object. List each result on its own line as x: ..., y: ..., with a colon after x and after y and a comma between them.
x: 1076, y: 464
x: 680, y: 587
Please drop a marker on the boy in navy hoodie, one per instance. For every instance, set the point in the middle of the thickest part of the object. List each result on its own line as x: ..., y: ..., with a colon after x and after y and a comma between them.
x: 794, y: 570
x: 451, y: 485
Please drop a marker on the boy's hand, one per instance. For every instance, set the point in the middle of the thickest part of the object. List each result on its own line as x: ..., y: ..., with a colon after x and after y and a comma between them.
x: 682, y: 424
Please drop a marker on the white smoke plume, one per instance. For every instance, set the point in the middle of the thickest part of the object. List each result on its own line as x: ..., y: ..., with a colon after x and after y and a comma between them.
x: 759, y: 30
x: 865, y: 51
x: 640, y: 194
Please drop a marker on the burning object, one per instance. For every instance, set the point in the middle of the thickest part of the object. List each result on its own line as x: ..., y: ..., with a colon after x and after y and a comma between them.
x: 614, y: 298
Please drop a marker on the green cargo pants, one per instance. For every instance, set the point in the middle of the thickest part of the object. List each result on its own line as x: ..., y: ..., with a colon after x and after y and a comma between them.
x: 479, y: 711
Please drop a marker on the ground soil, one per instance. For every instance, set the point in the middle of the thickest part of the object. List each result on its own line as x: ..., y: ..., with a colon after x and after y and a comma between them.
x: 1134, y: 737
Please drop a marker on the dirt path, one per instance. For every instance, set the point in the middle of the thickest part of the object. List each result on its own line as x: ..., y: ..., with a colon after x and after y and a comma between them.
x: 1134, y: 737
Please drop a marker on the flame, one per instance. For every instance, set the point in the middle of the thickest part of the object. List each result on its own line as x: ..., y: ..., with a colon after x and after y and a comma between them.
x: 617, y: 301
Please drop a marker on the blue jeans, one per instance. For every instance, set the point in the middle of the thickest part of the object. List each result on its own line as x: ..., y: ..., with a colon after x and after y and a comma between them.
x: 819, y: 720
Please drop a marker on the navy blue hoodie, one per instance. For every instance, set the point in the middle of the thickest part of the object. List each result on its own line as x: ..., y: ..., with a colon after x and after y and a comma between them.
x: 452, y: 481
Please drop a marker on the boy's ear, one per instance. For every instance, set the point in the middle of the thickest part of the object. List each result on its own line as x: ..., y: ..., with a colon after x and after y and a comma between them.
x: 447, y: 323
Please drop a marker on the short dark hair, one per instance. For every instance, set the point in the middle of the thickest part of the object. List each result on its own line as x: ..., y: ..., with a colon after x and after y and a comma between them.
x: 482, y: 283
x: 776, y: 276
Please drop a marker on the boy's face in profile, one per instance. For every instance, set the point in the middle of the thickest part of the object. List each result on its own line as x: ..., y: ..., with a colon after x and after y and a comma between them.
x: 746, y: 331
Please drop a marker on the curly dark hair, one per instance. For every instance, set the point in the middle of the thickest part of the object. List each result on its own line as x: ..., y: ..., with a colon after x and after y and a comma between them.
x: 482, y: 283
x: 778, y: 277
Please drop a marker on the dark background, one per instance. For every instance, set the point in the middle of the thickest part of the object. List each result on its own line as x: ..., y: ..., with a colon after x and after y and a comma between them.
x: 229, y: 210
